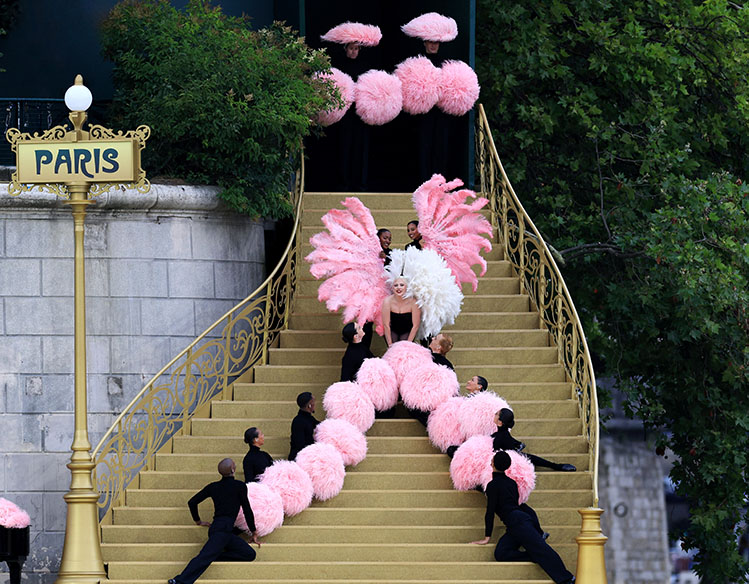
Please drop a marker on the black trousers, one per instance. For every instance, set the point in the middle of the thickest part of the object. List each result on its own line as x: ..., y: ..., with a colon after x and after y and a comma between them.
x: 538, y: 461
x: 521, y: 532
x: 222, y: 546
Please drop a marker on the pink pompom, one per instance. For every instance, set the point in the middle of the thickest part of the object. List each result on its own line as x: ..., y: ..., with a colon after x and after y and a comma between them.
x: 292, y: 484
x: 523, y: 473
x: 378, y: 97
x: 472, y: 464
x: 432, y: 26
x: 346, y: 400
x: 428, y: 386
x: 368, y: 35
x: 444, y: 424
x: 324, y: 465
x: 12, y: 516
x: 267, y: 509
x: 420, y: 81
x: 377, y: 379
x: 459, y: 88
x: 404, y: 356
x: 478, y: 411
x: 345, y: 86
x: 346, y: 438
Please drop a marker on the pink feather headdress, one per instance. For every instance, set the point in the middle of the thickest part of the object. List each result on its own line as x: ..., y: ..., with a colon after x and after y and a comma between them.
x: 452, y: 227
x: 348, y: 255
x: 432, y: 27
x: 367, y: 35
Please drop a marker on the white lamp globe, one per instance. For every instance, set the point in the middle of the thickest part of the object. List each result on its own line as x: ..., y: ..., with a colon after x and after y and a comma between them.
x: 78, y: 97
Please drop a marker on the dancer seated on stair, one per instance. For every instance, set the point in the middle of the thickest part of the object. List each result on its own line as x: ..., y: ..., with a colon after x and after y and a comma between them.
x: 412, y: 229
x: 303, y: 425
x: 223, y: 545
x: 503, y: 440
x: 401, y: 316
x: 356, y: 351
x: 255, y: 461
x: 502, y: 500
x: 386, y: 238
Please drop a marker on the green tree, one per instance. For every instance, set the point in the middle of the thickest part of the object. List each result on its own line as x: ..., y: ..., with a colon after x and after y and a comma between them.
x: 624, y: 127
x: 226, y: 105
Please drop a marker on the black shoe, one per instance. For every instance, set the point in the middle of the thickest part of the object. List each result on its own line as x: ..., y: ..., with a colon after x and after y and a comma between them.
x: 568, y: 468
x: 546, y: 535
x: 171, y: 581
x: 521, y: 446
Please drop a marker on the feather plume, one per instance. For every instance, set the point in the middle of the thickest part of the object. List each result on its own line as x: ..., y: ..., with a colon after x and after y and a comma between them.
x: 267, y: 509
x: 432, y: 285
x: 451, y: 227
x: 378, y: 96
x: 432, y: 26
x: 348, y: 255
x: 523, y: 473
x: 477, y: 413
x: 346, y: 438
x: 428, y: 386
x: 471, y: 465
x: 367, y: 35
x: 292, y: 484
x: 421, y: 84
x: 324, y: 465
x: 443, y: 426
x: 459, y: 88
x: 345, y: 86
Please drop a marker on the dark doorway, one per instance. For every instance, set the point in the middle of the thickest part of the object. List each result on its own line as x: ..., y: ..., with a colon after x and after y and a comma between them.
x: 393, y: 147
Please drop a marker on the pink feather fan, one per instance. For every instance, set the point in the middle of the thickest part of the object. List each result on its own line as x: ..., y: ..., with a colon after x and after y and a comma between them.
x: 432, y: 26
x: 478, y: 411
x: 459, y: 88
x: 292, y: 484
x: 12, y: 516
x: 346, y: 401
x: 420, y: 82
x: 345, y: 86
x: 443, y: 426
x: 378, y: 96
x: 367, y: 35
x: 471, y: 465
x: 348, y: 255
x: 523, y: 473
x: 267, y: 509
x: 324, y: 465
x: 403, y: 356
x: 346, y: 438
x: 452, y: 227
x: 377, y: 379
x: 426, y: 387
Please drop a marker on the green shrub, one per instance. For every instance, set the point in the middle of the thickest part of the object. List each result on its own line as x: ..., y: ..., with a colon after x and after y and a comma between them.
x: 226, y: 105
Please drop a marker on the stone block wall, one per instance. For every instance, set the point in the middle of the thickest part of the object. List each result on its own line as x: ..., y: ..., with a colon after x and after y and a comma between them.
x: 160, y: 269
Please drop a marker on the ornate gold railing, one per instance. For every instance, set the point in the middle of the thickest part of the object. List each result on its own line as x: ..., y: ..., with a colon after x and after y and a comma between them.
x: 540, y: 278
x: 229, y: 348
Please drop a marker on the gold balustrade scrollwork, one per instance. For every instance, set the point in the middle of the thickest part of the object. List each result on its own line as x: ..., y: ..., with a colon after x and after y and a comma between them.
x: 541, y: 280
x: 230, y: 347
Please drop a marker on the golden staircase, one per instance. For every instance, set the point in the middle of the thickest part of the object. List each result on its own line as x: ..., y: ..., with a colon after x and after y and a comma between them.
x: 397, y: 519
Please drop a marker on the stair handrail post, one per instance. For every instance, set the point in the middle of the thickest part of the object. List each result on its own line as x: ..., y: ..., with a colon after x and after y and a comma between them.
x: 566, y: 330
x: 591, y: 561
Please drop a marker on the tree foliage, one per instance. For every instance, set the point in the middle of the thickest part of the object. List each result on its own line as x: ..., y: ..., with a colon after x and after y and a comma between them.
x: 226, y: 105
x: 624, y: 127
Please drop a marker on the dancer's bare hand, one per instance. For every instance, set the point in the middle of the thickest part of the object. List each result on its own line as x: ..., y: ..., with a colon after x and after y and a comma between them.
x: 203, y: 523
x: 481, y: 541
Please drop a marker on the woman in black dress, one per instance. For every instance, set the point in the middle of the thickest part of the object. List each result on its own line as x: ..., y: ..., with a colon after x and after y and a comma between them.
x: 255, y: 461
x: 401, y: 316
x: 412, y: 229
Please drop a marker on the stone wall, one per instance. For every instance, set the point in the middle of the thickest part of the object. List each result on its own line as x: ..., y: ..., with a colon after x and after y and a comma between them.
x: 160, y: 268
x: 634, y: 504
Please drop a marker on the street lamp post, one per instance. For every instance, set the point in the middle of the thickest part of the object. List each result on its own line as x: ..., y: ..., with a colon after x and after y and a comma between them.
x: 77, y: 165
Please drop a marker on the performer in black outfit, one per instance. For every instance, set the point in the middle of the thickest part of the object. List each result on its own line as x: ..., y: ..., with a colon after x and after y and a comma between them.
x: 502, y: 499
x: 412, y: 229
x: 356, y: 351
x: 503, y: 440
x: 440, y: 346
x: 303, y: 425
x: 386, y: 238
x: 255, y: 461
x: 223, y: 545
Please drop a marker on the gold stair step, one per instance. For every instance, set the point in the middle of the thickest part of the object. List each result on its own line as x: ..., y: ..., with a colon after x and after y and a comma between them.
x: 309, y: 304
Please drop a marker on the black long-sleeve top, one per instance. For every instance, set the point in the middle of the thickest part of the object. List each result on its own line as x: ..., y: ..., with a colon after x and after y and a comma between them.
x: 442, y: 360
x: 353, y: 359
x: 503, y: 440
x: 501, y: 499
x: 254, y: 464
x: 228, y: 496
x: 302, y: 432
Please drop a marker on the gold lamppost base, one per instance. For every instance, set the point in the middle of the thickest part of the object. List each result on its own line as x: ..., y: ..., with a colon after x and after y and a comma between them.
x: 591, y: 562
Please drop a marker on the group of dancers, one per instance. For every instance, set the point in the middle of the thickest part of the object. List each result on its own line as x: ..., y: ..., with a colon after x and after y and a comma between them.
x: 407, y: 296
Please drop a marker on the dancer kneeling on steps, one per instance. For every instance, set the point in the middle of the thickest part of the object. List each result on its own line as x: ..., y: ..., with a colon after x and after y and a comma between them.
x: 502, y: 500
x: 223, y: 545
x: 303, y: 425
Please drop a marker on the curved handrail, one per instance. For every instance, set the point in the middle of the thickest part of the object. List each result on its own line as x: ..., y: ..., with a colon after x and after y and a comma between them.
x: 541, y: 279
x: 227, y: 349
